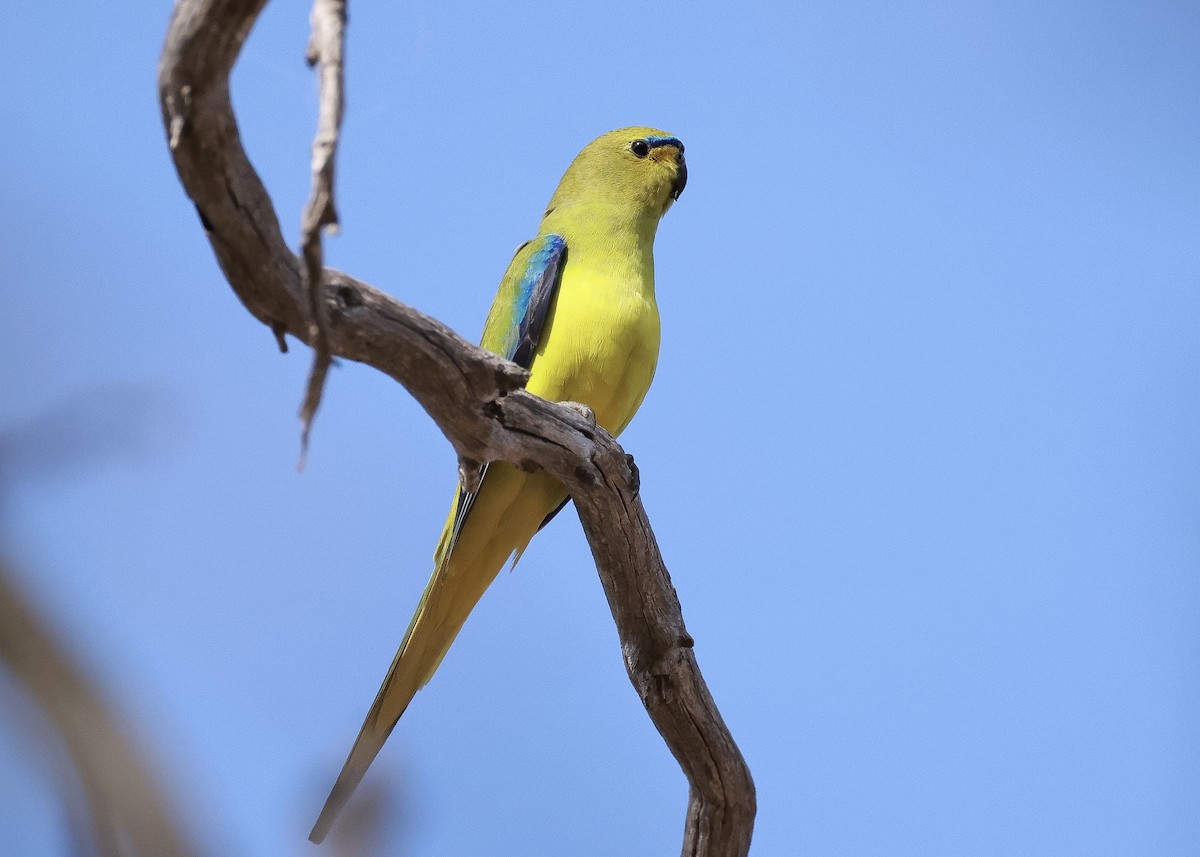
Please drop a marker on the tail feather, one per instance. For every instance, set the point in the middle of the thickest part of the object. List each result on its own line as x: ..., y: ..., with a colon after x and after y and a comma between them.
x: 436, y: 623
x: 499, y: 525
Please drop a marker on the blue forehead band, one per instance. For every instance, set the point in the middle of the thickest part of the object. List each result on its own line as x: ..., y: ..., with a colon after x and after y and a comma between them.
x: 655, y: 141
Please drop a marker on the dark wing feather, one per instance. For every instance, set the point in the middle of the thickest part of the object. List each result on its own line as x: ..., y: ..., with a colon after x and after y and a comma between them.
x: 538, y: 288
x: 514, y: 326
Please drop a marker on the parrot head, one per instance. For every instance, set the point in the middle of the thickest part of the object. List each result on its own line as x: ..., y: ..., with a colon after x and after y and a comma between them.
x: 641, y: 169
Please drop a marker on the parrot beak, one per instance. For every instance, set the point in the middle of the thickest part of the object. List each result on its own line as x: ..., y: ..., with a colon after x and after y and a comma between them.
x: 680, y: 176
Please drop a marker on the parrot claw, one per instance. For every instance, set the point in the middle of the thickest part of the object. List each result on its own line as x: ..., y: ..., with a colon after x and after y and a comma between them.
x: 583, y: 410
x: 470, y: 475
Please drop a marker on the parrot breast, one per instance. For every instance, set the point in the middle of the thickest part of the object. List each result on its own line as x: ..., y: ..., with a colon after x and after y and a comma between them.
x: 600, y: 344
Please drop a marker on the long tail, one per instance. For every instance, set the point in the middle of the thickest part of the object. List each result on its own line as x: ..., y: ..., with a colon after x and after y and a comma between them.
x: 504, y: 518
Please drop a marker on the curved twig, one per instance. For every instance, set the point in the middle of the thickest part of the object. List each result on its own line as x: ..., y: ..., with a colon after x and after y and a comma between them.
x: 472, y: 395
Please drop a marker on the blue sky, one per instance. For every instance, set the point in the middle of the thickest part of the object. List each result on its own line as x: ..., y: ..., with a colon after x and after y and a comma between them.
x: 921, y: 453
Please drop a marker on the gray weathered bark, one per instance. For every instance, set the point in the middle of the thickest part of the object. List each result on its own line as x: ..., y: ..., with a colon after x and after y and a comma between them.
x: 474, y: 397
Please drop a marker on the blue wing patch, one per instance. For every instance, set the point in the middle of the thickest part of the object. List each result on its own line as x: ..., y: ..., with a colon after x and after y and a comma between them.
x: 534, y: 295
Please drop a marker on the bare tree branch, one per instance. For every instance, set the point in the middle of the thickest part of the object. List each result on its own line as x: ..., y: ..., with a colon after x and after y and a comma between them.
x: 472, y: 395
x: 326, y: 49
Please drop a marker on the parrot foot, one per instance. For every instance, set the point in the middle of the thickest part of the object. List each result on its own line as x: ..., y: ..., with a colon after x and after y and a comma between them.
x: 581, y: 409
x: 470, y: 474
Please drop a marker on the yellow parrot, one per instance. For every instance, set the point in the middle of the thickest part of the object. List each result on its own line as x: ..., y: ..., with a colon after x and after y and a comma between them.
x: 576, y: 308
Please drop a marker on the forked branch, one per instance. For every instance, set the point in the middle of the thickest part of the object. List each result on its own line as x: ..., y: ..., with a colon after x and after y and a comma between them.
x: 474, y: 397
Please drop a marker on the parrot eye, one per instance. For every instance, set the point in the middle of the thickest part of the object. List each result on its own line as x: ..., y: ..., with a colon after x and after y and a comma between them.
x: 640, y: 148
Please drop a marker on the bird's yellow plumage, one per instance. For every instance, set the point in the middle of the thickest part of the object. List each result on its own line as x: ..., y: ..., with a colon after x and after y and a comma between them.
x: 577, y: 308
